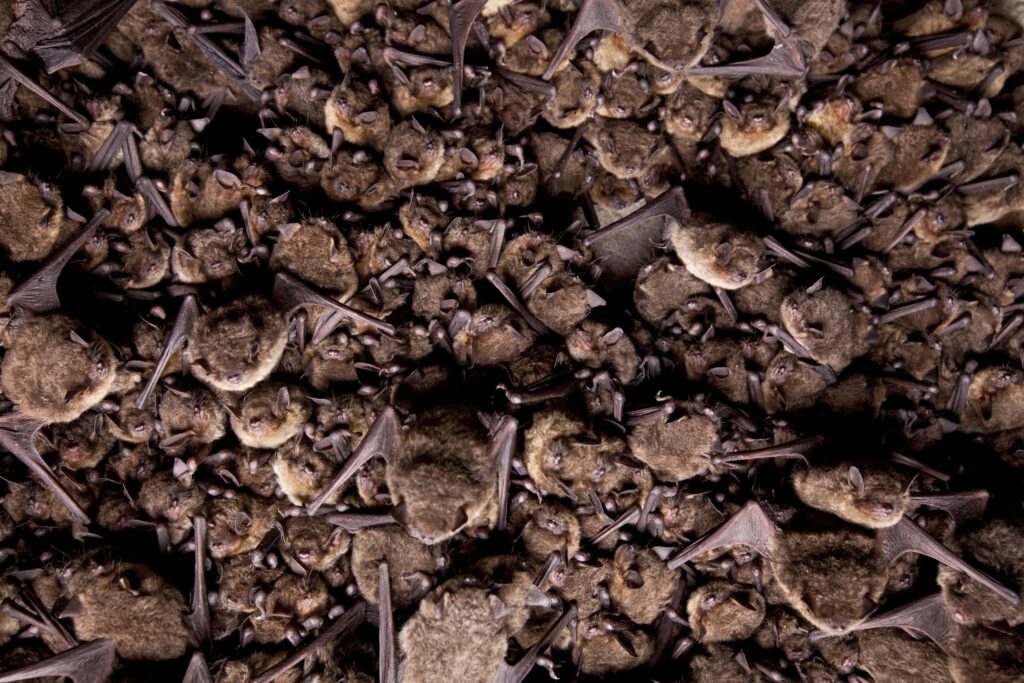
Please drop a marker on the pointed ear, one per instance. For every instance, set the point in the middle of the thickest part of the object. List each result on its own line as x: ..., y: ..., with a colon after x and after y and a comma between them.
x: 856, y: 479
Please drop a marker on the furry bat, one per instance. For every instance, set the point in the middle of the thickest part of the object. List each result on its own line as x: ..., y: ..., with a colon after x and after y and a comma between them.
x: 594, y: 15
x: 380, y: 439
x: 671, y: 204
x: 291, y: 294
x: 347, y: 622
x: 89, y: 663
x: 175, y: 340
x: 220, y: 59
x: 16, y: 437
x: 79, y: 28
x: 7, y: 67
x: 39, y: 292
x: 517, y: 673
x: 906, y: 537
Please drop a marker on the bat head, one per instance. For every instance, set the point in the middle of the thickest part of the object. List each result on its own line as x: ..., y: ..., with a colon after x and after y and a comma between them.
x: 270, y: 414
x: 302, y: 473
x: 494, y: 335
x: 721, y: 254
x: 641, y: 585
x: 606, y: 645
x: 314, y: 542
x: 28, y: 208
x: 624, y: 148
x: 721, y: 612
x: 238, y: 524
x: 823, y: 323
x: 190, y: 415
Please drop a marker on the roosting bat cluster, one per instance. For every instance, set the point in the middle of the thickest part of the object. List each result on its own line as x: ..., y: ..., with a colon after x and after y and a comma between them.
x: 673, y: 340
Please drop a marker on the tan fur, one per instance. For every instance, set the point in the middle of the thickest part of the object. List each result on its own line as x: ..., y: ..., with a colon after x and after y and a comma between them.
x: 587, y: 345
x: 194, y: 410
x: 997, y: 547
x: 827, y: 488
x: 720, y: 254
x: 314, y: 542
x: 676, y: 450
x: 455, y: 634
x: 427, y: 151
x: 406, y: 558
x: 205, y: 255
x: 624, y: 148
x: 599, y: 652
x: 994, y: 401
x: 823, y: 323
x: 236, y: 346
x: 643, y: 604
x: 140, y: 611
x: 302, y: 473
x: 820, y: 208
x: 760, y: 126
x: 50, y: 377
x: 576, y: 96
x: 257, y: 423
x: 718, y: 611
x: 31, y: 219
x: 494, y: 335
x: 987, y: 655
x: 893, y: 657
x: 291, y: 600
x: 548, y: 527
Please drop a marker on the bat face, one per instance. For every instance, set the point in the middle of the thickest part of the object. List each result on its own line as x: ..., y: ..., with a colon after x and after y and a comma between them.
x: 234, y: 347
x: 641, y: 585
x: 720, y: 254
x: 79, y: 369
x: 238, y: 524
x: 314, y: 542
x: 188, y: 416
x: 813, y: 318
x: 605, y: 646
x: 269, y: 415
x: 82, y: 443
x: 677, y: 448
x: 624, y: 148
x: 721, y: 612
x: 549, y: 527
x: 867, y: 496
x: 493, y: 335
x: 442, y: 484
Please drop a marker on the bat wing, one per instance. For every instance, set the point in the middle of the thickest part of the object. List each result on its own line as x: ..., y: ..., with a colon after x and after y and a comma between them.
x: 778, y: 63
x: 387, y: 659
x: 199, y: 620
x: 347, y: 622
x: 517, y: 673
x: 671, y: 203
x: 10, y: 69
x: 503, y: 446
x: 16, y: 437
x: 291, y: 294
x: 594, y: 15
x: 906, y: 537
x: 198, y: 671
x: 39, y: 293
x: 183, y: 325
x: 251, y: 43
x: 83, y: 26
x: 461, y: 16
x: 961, y: 506
x: 380, y: 439
x: 750, y: 527
x: 89, y: 663
x: 928, y: 616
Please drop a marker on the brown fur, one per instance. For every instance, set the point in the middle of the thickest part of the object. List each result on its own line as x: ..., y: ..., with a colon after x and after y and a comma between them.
x: 257, y: 422
x: 718, y: 611
x: 893, y: 657
x: 407, y: 559
x: 676, y: 450
x: 238, y: 524
x: 828, y: 488
x: 997, y: 546
x: 720, y: 254
x: 641, y: 603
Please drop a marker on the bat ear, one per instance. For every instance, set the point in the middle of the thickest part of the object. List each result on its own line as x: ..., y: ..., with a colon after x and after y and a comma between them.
x: 856, y: 479
x: 401, y: 513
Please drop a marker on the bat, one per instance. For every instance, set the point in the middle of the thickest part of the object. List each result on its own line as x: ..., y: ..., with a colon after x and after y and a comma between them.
x: 929, y: 617
x: 199, y: 620
x: 906, y: 537
x: 503, y: 445
x: 291, y: 294
x: 217, y: 56
x: 175, y: 340
x: 513, y: 301
x: 12, y: 71
x: 80, y: 27
x: 594, y: 15
x: 750, y: 527
x: 387, y: 659
x: 380, y: 439
x: 671, y: 204
x: 39, y: 292
x: 461, y: 16
x: 518, y: 672
x: 790, y: 449
x: 347, y: 622
x: 16, y: 437
x: 89, y: 663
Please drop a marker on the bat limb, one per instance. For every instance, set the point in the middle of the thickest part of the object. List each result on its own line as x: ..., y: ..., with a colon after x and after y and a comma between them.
x: 461, y: 16
x: 89, y: 663
x: 39, y: 293
x: 750, y: 527
x: 518, y: 672
x: 387, y: 659
x: 906, y: 537
x: 961, y: 506
x: 291, y: 293
x: 594, y: 15
x: 198, y: 671
x: 503, y: 446
x: 671, y: 204
x: 927, y: 617
x: 347, y: 622
x: 199, y: 620
x: 380, y: 439
x: 779, y: 63
x: 183, y: 325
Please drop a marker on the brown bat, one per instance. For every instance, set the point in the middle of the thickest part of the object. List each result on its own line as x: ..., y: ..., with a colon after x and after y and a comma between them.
x: 517, y: 673
x: 831, y: 601
x: 16, y: 434
x: 291, y: 294
x: 346, y: 623
x: 176, y: 339
x: 89, y: 663
x: 594, y: 15
x: 380, y: 439
x: 79, y: 28
x: 39, y: 293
